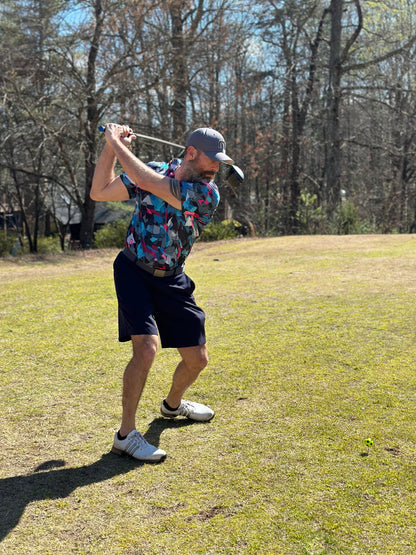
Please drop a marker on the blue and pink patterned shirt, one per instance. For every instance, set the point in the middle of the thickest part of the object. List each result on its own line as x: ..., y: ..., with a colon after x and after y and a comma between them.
x: 161, y: 235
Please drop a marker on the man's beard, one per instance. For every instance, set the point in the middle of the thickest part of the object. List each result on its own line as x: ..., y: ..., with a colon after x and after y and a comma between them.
x: 197, y: 175
x: 201, y: 176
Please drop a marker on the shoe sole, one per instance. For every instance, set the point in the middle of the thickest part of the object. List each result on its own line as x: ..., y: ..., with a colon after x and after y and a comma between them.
x: 122, y: 453
x: 172, y: 416
x: 188, y: 417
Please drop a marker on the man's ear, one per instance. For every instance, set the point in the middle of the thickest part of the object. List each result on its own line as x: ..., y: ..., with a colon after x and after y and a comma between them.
x: 191, y: 151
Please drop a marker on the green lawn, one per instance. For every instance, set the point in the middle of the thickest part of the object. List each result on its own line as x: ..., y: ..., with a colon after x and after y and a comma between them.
x: 312, y: 348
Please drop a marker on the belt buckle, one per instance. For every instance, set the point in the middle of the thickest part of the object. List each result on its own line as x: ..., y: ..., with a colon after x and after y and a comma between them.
x: 159, y: 273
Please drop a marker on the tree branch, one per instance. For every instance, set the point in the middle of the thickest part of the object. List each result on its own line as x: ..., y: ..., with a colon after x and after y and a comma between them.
x: 355, y: 34
x: 379, y: 59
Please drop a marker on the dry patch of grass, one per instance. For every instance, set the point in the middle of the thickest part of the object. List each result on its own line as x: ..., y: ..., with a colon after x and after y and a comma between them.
x: 312, y: 351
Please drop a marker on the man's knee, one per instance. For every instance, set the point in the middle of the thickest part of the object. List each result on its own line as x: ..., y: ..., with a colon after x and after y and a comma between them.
x: 145, y: 348
x: 195, y: 357
x: 203, y: 359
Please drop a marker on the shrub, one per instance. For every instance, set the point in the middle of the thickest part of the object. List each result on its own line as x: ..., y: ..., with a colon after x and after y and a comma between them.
x: 346, y: 220
x: 215, y: 231
x: 112, y: 235
x: 49, y: 245
x: 310, y: 215
x: 7, y: 243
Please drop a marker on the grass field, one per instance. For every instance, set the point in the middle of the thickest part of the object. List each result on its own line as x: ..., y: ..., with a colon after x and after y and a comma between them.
x: 312, y: 347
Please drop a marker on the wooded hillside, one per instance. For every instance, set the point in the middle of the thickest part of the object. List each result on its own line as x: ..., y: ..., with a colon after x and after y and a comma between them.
x: 316, y: 99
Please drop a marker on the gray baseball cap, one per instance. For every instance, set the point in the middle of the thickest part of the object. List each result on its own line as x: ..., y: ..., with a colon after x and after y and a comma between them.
x: 211, y: 143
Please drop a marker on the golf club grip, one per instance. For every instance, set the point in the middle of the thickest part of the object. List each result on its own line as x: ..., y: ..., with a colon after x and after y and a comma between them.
x: 101, y: 129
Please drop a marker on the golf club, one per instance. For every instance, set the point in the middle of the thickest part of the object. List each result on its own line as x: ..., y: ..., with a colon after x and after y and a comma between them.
x: 234, y: 175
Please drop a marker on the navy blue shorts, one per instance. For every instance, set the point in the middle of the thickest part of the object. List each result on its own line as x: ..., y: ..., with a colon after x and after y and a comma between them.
x: 149, y: 305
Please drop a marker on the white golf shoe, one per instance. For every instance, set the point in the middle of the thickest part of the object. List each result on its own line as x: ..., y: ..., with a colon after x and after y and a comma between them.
x: 189, y: 409
x: 137, y: 447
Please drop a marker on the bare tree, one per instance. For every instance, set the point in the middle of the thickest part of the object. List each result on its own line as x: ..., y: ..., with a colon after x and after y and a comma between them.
x: 338, y: 55
x: 297, y: 32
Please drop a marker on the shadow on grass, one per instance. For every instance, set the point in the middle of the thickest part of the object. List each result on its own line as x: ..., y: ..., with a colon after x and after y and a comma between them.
x: 50, y: 481
x: 158, y: 425
x: 18, y: 491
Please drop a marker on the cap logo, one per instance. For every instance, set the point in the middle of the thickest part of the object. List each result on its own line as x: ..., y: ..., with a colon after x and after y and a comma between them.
x: 221, y: 146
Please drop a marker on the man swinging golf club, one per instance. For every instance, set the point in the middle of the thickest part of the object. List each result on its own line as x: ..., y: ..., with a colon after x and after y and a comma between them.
x: 155, y: 296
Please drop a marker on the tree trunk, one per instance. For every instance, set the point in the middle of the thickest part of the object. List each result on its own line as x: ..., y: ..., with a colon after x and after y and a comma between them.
x: 86, y: 234
x: 333, y: 143
x: 88, y: 209
x: 179, y: 69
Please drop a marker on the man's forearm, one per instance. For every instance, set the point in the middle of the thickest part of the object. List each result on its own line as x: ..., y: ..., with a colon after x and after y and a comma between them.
x: 137, y: 170
x: 104, y: 172
x: 146, y: 178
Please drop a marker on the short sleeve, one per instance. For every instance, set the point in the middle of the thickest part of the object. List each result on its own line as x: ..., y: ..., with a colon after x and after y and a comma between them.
x: 200, y: 200
x: 129, y: 184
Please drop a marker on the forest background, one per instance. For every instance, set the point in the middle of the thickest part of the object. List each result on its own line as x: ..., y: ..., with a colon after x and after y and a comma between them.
x: 316, y: 99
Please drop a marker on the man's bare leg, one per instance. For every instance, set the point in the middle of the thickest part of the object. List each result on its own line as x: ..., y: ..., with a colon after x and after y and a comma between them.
x: 134, y: 379
x: 128, y: 440
x: 194, y: 360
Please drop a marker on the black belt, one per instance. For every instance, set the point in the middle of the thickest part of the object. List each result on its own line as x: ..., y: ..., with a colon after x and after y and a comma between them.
x: 157, y: 272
